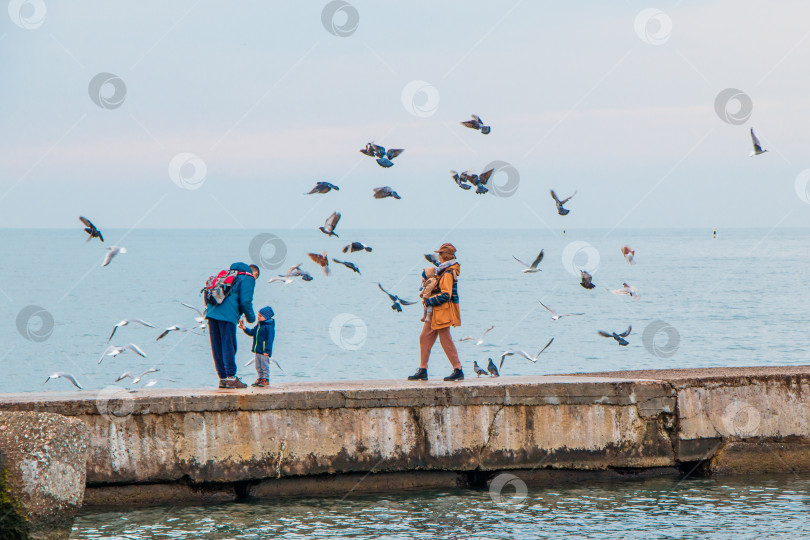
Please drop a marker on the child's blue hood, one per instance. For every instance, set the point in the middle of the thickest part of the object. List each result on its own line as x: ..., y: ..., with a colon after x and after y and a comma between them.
x: 267, y: 312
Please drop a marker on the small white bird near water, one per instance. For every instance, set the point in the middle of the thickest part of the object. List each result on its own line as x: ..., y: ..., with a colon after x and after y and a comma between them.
x: 114, y: 351
x: 126, y: 322
x: 63, y: 375
x: 478, y: 341
x: 111, y: 253
x: 757, y: 145
x: 531, y: 268
x: 556, y: 316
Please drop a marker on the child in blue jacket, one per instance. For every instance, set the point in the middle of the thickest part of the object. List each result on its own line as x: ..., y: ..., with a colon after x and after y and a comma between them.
x: 263, y: 335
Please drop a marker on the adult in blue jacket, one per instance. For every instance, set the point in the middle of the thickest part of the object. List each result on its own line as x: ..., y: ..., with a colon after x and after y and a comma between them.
x: 222, y: 321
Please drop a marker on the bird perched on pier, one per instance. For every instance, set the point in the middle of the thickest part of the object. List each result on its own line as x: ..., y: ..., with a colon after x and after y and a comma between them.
x: 112, y: 251
x: 477, y: 124
x: 347, y: 264
x: 330, y: 224
x: 63, y: 375
x: 90, y: 229
x: 461, y: 182
x: 757, y: 145
x: 114, y: 351
x: 629, y: 254
x: 629, y: 290
x: 293, y: 272
x: 385, y: 191
x: 557, y: 316
x: 560, y: 210
x: 397, y: 301
x: 322, y: 260
x: 478, y: 180
x: 524, y: 354
x: 478, y: 341
x: 618, y: 337
x: 493, y: 370
x: 477, y: 369
x: 126, y: 322
x: 587, y: 279
x: 531, y: 268
x: 356, y: 246
x: 322, y: 187
x: 433, y: 259
x: 135, y: 380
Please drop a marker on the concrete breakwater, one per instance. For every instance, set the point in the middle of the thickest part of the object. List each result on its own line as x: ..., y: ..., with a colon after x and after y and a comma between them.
x: 159, y: 446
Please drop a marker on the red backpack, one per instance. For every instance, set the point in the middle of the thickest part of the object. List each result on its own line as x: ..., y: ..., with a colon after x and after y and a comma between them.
x: 218, y: 287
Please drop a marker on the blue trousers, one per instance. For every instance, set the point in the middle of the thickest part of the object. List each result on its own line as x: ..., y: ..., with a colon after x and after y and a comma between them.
x: 223, y: 346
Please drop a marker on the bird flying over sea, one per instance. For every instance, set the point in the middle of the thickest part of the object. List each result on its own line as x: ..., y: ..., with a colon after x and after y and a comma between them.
x: 253, y: 361
x: 322, y: 260
x: 478, y: 124
x: 557, y: 316
x: 397, y: 301
x: 200, y: 314
x: 477, y: 180
x: 618, y: 337
x: 629, y: 290
x: 293, y: 272
x: 126, y: 322
x: 114, y: 351
x: 480, y: 340
x: 461, y: 182
x: 384, y: 157
x: 757, y: 145
x: 587, y: 279
x: 322, y: 187
x: 90, y: 229
x: 330, y: 224
x: 629, y: 254
x: 560, y: 210
x: 112, y: 251
x: 356, y: 246
x: 385, y: 191
x: 524, y: 354
x: 349, y: 265
x: 135, y: 380
x: 531, y: 268
x: 173, y: 328
x: 63, y: 375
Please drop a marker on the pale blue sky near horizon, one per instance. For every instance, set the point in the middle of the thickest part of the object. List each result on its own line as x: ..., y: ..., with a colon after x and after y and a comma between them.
x: 272, y: 103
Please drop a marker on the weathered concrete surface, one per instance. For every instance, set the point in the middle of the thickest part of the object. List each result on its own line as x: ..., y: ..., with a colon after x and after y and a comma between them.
x: 43, y: 473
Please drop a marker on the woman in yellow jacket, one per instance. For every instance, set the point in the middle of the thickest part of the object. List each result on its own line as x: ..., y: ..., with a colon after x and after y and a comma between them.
x: 443, y: 312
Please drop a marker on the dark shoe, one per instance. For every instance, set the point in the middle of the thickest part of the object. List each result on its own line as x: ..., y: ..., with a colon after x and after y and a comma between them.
x: 234, y: 382
x: 457, y: 375
x: 222, y: 383
x: 261, y: 382
x: 420, y: 375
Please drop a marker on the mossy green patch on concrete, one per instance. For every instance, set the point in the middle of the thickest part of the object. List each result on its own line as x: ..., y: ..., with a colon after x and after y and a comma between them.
x: 13, y: 526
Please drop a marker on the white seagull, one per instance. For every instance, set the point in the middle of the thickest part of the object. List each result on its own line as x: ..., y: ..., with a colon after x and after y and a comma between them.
x: 153, y: 382
x: 176, y: 328
x: 114, y: 351
x: 757, y: 145
x: 125, y: 322
x: 201, y: 314
x: 556, y: 316
x: 112, y: 251
x: 524, y: 354
x: 478, y: 341
x: 293, y: 272
x: 253, y: 361
x: 63, y: 375
x: 629, y: 290
x: 531, y: 268
x: 135, y: 380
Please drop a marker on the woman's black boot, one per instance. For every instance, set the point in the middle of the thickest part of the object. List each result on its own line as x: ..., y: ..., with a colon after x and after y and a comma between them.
x: 420, y: 375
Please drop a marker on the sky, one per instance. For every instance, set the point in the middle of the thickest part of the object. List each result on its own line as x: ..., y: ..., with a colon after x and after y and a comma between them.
x: 226, y: 114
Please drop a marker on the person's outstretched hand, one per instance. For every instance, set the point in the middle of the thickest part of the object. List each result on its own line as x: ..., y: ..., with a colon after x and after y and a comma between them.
x: 241, y: 324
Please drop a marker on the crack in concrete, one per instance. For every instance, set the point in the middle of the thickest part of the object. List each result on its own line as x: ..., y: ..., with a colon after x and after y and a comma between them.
x: 489, y: 433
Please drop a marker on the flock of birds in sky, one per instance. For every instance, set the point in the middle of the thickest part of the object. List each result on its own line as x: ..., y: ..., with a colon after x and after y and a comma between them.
x: 384, y: 157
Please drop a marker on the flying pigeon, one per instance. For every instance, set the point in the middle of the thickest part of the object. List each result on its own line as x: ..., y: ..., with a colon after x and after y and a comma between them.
x: 531, y: 268
x: 524, y: 354
x: 560, y: 210
x: 478, y: 341
x: 112, y: 251
x: 557, y: 316
x: 478, y: 180
x: 385, y: 191
x: 356, y: 246
x: 330, y: 224
x: 322, y: 187
x: 373, y: 150
x: 125, y: 322
x: 477, y: 369
x: 385, y: 160
x: 90, y: 229
x: 63, y: 375
x: 478, y: 124
x: 114, y: 351
x: 349, y: 265
x: 459, y: 180
x: 294, y: 272
x: 493, y: 370
x: 322, y: 261
x: 618, y: 337
x: 586, y: 280
x: 629, y: 254
x: 757, y: 145
x: 396, y: 300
